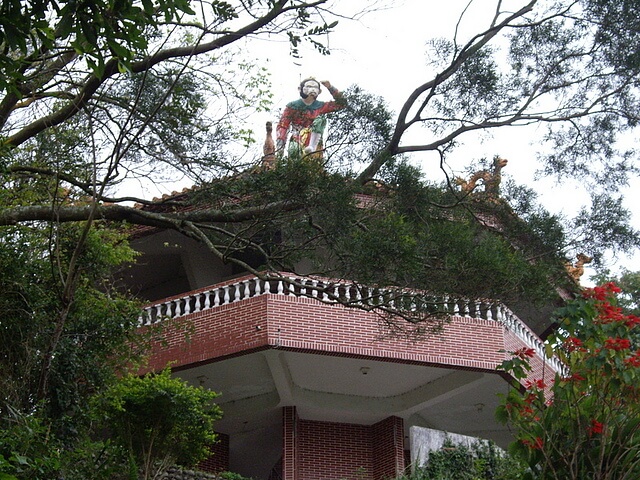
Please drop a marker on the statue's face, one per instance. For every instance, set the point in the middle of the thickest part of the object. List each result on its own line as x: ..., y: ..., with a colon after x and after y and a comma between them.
x: 311, y: 89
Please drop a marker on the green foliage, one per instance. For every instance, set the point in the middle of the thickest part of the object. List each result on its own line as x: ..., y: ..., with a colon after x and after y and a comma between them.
x: 231, y: 476
x: 585, y: 422
x: 480, y: 461
x: 98, y: 29
x: 158, y: 420
x: 403, y: 238
x: 617, y: 31
x: 473, y: 90
x: 26, y: 449
x: 607, y: 222
x: 423, y: 236
x: 59, y: 349
x: 550, y: 55
x: 358, y: 132
x: 98, y: 325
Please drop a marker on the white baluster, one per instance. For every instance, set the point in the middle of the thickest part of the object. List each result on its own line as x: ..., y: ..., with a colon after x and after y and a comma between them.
x: 364, y: 295
x: 207, y: 299
x: 347, y: 293
x: 227, y: 297
x: 247, y: 290
x: 258, y: 286
x: 187, y: 305
x: 455, y: 310
x: 217, y: 297
x: 324, y: 293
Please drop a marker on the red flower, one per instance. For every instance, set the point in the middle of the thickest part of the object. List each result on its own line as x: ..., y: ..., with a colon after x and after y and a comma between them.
x: 633, y: 360
x: 595, y: 427
x: 535, y: 444
x: 602, y: 292
x: 610, y: 313
x: 617, y: 343
x: 539, y: 384
x: 573, y: 343
x: 632, y: 321
x: 526, y: 410
x: 525, y: 352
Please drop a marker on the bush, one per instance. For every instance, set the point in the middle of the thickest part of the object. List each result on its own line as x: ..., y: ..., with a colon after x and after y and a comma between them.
x: 158, y: 420
x: 585, y: 422
x: 481, y: 461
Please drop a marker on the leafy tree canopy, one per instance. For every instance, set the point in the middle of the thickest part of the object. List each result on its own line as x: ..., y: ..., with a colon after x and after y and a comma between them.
x: 158, y: 420
x: 98, y: 96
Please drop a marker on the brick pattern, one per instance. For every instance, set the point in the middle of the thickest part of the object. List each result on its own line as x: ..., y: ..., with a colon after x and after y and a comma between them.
x: 328, y: 451
x: 219, y: 459
x: 211, y: 334
x: 290, y: 423
x: 388, y: 448
x: 320, y: 450
x: 305, y: 324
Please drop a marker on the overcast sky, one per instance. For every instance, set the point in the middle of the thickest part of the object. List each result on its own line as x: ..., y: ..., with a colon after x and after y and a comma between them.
x: 384, y: 53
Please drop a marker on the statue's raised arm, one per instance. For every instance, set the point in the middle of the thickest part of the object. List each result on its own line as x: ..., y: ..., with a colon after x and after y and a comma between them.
x: 304, y: 119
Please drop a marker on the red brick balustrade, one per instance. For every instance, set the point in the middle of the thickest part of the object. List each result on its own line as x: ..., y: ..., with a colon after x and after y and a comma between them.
x: 250, y: 314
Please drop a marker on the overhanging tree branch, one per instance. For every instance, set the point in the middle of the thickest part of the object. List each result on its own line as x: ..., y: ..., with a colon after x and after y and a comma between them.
x: 93, y: 82
x: 64, y: 214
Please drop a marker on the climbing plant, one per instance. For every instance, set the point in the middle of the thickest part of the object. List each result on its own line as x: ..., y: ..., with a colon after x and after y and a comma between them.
x: 482, y: 460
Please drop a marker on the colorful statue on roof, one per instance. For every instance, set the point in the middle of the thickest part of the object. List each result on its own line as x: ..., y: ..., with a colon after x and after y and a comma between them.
x: 304, y: 119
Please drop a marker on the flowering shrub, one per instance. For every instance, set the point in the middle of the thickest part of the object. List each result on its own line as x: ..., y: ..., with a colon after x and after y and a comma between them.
x: 584, y: 423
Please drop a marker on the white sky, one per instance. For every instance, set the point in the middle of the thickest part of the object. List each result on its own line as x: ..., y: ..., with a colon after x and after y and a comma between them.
x: 384, y: 53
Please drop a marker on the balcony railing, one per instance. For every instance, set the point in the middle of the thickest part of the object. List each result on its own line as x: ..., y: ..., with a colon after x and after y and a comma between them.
x: 388, y: 300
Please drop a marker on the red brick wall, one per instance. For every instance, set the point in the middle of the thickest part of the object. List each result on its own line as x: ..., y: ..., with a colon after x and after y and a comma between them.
x: 305, y: 324
x: 290, y: 424
x: 329, y: 451
x: 388, y: 448
x: 219, y: 459
x: 213, y: 333
x: 332, y: 451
